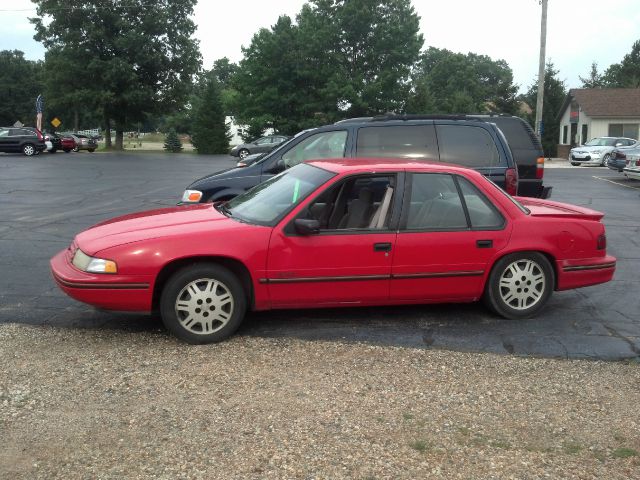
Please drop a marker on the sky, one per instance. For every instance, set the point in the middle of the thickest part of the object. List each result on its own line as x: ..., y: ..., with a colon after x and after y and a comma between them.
x: 579, y: 32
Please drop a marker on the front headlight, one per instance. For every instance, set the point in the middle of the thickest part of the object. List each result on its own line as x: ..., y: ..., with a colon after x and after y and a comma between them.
x: 84, y: 262
x: 191, y: 196
x: 596, y: 152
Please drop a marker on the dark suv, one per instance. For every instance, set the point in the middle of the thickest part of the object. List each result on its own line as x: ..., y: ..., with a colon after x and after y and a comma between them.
x: 473, y: 142
x: 527, y: 153
x: 27, y: 140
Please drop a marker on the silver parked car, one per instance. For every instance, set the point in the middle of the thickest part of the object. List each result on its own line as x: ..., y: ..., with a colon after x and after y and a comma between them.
x: 631, y: 168
x: 597, y: 151
x: 261, y: 145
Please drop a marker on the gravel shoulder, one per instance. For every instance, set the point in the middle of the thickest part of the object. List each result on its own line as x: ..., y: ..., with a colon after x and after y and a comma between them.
x: 112, y: 404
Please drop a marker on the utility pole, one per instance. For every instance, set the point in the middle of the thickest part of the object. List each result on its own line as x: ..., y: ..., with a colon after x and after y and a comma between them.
x: 543, y: 46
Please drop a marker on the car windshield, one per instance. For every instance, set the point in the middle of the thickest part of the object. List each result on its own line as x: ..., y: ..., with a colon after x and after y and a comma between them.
x: 601, y: 142
x: 268, y: 202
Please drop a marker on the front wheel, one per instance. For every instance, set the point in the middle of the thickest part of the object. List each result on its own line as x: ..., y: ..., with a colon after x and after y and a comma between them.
x: 76, y: 149
x: 519, y: 285
x: 66, y: 150
x: 28, y: 150
x: 605, y: 160
x: 91, y: 150
x: 243, y: 153
x: 575, y: 164
x: 203, y: 303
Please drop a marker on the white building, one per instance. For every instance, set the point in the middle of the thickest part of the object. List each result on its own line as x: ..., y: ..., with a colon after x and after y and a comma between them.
x: 599, y: 112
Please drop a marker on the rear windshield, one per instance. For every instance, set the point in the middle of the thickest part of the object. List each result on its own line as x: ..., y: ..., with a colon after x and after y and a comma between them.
x: 519, y: 134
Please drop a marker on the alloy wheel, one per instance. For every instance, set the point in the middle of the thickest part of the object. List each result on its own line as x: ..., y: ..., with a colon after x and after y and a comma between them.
x: 204, y: 306
x: 522, y: 284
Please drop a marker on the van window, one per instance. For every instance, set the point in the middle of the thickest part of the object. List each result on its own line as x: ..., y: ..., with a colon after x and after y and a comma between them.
x: 467, y: 145
x: 402, y: 141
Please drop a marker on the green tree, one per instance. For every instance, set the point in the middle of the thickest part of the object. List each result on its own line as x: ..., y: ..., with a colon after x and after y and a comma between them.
x: 139, y: 56
x: 625, y: 74
x: 20, y: 84
x: 371, y: 46
x: 343, y: 58
x: 468, y: 83
x: 555, y: 93
x: 210, y: 132
x: 172, y: 142
x: 594, y: 80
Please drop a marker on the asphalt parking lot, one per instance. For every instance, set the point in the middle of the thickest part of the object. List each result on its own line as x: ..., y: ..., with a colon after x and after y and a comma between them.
x: 46, y: 200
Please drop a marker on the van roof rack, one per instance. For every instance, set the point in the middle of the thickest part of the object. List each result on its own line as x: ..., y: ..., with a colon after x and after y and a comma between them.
x: 409, y: 117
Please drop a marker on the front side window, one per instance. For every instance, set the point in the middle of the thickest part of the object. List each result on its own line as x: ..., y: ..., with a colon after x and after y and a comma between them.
x: 4, y: 132
x: 467, y: 145
x: 358, y: 203
x: 435, y: 203
x: 402, y: 141
x: 263, y: 141
x: 268, y: 202
x: 321, y: 145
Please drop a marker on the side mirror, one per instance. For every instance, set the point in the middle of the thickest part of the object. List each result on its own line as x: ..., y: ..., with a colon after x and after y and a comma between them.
x: 305, y: 226
x: 278, y: 167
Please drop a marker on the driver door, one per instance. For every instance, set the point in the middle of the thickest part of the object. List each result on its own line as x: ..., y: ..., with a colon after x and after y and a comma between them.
x: 349, y: 260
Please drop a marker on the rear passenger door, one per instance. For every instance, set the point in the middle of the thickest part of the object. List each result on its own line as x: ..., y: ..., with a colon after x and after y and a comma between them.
x: 449, y: 232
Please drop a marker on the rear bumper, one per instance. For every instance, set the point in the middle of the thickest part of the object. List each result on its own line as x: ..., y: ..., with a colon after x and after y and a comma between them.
x: 533, y: 188
x: 585, y: 272
x: 632, y: 173
x: 111, y: 292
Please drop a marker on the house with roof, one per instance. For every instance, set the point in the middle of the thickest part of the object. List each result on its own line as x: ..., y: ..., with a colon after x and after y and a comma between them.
x: 598, y: 112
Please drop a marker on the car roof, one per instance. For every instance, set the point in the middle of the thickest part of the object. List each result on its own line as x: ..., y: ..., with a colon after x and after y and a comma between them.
x: 356, y: 165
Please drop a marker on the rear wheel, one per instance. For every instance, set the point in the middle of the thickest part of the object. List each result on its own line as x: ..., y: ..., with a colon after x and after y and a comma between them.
x: 203, y: 303
x: 243, y: 153
x: 519, y: 285
x: 91, y: 150
x: 575, y: 164
x: 28, y: 149
x: 66, y: 150
x: 76, y: 149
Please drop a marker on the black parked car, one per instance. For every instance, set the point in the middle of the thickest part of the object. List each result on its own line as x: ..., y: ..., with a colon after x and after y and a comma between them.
x: 27, y: 140
x: 618, y: 159
x: 457, y: 139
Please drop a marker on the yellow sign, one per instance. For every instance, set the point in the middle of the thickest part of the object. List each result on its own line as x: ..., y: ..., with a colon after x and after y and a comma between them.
x: 56, y: 122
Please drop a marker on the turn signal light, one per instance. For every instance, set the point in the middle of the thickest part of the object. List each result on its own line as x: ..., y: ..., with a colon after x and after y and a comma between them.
x: 602, y: 242
x: 540, y: 167
x: 511, y: 181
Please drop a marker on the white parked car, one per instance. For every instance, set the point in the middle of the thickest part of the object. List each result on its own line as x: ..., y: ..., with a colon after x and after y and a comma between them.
x: 597, y: 151
x: 632, y: 167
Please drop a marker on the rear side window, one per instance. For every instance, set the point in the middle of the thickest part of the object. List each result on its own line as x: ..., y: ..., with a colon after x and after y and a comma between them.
x: 467, y: 145
x: 482, y: 213
x: 402, y: 141
x: 435, y: 203
x: 26, y: 133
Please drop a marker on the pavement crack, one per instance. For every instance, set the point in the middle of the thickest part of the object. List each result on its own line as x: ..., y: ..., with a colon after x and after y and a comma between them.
x: 615, y: 333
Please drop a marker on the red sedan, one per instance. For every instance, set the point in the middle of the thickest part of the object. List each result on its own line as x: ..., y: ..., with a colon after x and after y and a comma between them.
x: 338, y: 233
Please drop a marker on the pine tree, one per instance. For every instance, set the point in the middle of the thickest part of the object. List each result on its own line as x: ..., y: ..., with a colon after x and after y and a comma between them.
x: 172, y: 142
x: 210, y: 132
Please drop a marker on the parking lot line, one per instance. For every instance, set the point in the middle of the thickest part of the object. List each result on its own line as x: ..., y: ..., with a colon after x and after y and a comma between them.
x: 616, y: 183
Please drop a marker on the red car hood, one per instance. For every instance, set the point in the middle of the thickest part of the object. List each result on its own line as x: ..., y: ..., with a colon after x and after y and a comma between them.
x: 153, y: 224
x: 548, y: 208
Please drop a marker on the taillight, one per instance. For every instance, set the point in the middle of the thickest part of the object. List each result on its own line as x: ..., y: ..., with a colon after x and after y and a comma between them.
x: 602, y: 242
x: 619, y: 155
x: 39, y: 133
x: 511, y: 181
x: 540, y: 167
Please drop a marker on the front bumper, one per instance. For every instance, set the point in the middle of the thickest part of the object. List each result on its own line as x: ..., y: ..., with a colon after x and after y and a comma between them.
x: 108, y: 291
x: 585, y: 272
x: 585, y: 159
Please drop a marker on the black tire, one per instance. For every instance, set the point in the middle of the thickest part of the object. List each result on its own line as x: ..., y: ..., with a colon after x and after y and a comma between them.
x: 66, y: 150
x: 605, y: 160
x: 197, y: 275
x: 243, y: 153
x: 76, y: 149
x: 91, y: 150
x: 53, y: 150
x: 29, y: 149
x: 575, y: 164
x: 503, y: 284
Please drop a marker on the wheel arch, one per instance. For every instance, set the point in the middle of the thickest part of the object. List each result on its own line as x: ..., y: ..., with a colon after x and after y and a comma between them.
x: 548, y: 255
x: 235, y: 266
